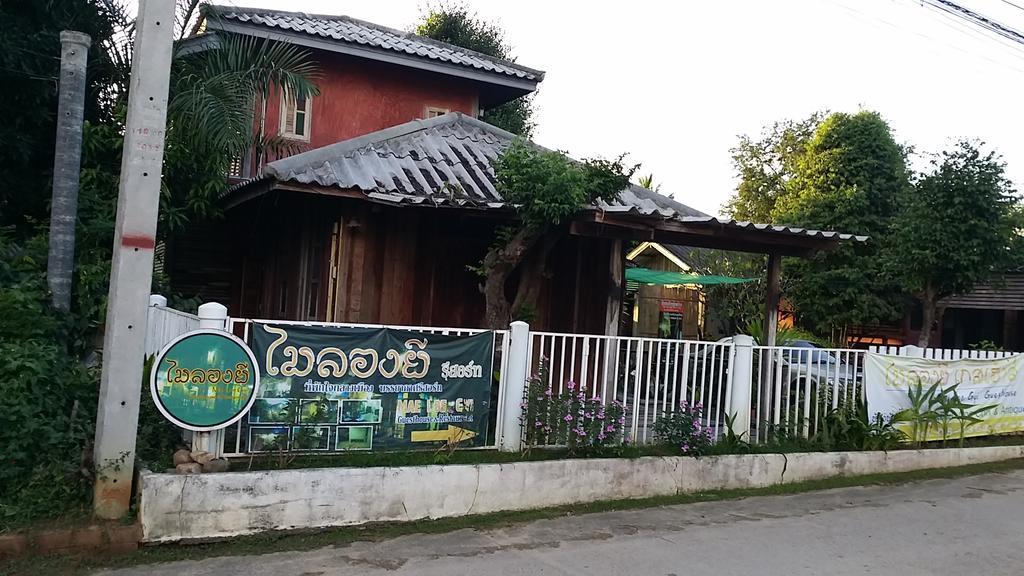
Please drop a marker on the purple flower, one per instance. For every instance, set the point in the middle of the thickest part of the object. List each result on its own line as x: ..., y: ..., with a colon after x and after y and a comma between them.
x: 538, y: 424
x: 570, y: 385
x: 610, y: 428
x: 568, y: 417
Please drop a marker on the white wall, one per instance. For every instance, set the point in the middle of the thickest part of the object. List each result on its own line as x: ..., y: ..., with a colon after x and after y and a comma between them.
x: 205, y: 506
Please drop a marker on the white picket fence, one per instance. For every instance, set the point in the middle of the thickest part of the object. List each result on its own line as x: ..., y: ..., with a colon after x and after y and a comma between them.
x: 940, y: 353
x: 165, y: 324
x: 649, y: 376
x: 767, y: 391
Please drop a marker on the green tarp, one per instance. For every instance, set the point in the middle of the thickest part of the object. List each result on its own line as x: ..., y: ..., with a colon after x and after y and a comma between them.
x: 646, y: 276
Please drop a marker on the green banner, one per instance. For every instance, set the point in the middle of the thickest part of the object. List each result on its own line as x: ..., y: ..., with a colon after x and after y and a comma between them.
x: 329, y: 388
x: 204, y: 380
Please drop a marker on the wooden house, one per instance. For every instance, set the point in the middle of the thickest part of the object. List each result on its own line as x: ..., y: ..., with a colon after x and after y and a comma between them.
x: 393, y: 202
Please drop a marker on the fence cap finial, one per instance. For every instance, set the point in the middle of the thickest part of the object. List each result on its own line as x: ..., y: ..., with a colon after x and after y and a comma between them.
x: 213, y: 310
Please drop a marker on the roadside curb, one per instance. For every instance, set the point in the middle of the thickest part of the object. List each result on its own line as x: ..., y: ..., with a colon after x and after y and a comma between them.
x: 93, y: 539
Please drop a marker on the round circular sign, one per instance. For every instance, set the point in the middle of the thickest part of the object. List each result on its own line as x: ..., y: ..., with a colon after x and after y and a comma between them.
x: 204, y: 380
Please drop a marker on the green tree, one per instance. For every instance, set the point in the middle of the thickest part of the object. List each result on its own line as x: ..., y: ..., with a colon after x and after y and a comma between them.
x: 455, y: 24
x: 547, y: 189
x: 29, y: 66
x: 847, y: 179
x: 765, y: 167
x: 953, y: 228
x: 213, y: 96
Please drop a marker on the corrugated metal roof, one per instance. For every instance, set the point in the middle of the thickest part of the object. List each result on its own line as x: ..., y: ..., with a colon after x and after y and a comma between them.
x: 448, y: 161
x: 373, y: 36
x: 1007, y: 294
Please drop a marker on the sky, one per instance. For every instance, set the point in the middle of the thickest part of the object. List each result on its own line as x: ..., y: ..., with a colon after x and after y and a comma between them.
x: 674, y: 84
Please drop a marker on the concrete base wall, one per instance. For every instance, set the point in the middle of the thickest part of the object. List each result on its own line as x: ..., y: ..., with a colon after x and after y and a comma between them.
x: 205, y: 506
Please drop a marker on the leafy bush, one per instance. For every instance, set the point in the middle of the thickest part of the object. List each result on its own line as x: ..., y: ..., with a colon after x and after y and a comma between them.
x: 850, y: 428
x: 47, y: 414
x: 939, y: 407
x: 569, y: 418
x: 683, y: 428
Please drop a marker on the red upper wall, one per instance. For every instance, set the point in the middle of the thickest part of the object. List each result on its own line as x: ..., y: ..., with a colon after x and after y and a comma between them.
x: 359, y: 96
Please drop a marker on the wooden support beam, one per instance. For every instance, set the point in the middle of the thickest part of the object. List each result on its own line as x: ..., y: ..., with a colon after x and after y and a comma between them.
x: 771, y: 300
x: 616, y: 279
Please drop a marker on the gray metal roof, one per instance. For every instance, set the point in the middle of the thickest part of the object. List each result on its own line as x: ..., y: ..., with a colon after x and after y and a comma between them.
x: 448, y: 161
x: 343, y: 30
x: 1004, y: 293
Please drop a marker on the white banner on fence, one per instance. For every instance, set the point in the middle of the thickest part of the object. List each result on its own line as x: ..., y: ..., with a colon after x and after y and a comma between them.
x: 997, y: 382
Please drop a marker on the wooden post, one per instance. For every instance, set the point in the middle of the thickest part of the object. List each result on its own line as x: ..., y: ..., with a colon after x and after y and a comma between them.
x: 771, y: 300
x: 615, y: 280
x: 613, y: 311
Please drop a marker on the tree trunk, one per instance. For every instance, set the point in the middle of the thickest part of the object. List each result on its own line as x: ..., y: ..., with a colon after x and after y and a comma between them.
x: 928, y: 301
x: 534, y: 270
x: 499, y: 262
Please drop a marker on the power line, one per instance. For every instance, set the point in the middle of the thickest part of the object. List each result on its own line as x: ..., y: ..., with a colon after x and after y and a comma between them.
x: 1017, y: 6
x: 976, y: 19
x: 958, y: 24
x: 900, y: 28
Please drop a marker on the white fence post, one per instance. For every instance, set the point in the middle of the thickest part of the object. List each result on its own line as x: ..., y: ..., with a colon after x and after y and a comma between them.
x: 514, y: 382
x: 740, y: 383
x: 912, y: 351
x: 212, y: 316
x: 158, y: 300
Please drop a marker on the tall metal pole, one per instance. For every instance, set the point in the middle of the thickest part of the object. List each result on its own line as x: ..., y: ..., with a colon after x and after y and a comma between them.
x: 67, y: 157
x: 132, y: 268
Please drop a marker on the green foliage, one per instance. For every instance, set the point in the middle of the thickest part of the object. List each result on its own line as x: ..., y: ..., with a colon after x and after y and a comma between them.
x: 157, y: 439
x: 682, y: 429
x: 766, y: 166
x: 731, y: 442
x: 954, y: 228
x: 939, y: 407
x: 733, y: 306
x: 547, y: 188
x: 29, y: 67
x: 213, y: 94
x: 851, y: 428
x: 571, y: 417
x: 453, y: 23
x: 783, y: 336
x: 48, y: 405
x: 848, y: 179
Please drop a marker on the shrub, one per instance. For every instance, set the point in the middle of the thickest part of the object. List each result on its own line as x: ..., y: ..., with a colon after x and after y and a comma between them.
x: 569, y: 418
x: 683, y: 428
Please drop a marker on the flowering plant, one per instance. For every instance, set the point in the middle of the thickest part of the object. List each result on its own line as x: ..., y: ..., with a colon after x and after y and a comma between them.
x: 569, y: 417
x: 683, y: 428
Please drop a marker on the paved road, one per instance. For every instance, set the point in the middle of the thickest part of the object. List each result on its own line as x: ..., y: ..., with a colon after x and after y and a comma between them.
x: 972, y: 525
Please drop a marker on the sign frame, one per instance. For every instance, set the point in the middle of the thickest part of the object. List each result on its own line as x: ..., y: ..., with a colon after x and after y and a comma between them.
x: 154, y: 371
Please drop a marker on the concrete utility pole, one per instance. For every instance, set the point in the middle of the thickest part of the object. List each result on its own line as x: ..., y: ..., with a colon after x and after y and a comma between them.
x: 132, y: 269
x: 67, y: 162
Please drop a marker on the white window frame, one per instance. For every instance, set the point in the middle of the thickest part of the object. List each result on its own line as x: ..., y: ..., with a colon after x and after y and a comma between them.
x: 288, y: 108
x: 434, y: 111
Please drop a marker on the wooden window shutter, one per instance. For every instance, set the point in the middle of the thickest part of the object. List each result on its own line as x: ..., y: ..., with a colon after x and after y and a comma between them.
x: 289, y: 115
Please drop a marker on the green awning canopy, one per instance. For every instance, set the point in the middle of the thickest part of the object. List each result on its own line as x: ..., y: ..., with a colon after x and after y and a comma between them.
x: 646, y: 276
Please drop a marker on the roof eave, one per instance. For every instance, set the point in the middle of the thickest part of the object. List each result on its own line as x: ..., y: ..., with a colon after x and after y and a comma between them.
x: 523, y: 85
